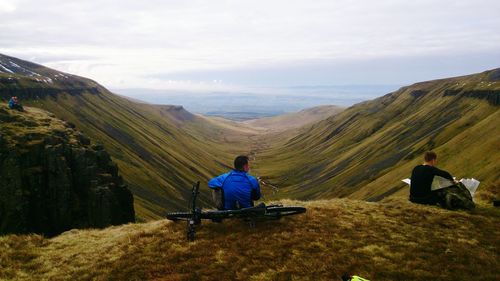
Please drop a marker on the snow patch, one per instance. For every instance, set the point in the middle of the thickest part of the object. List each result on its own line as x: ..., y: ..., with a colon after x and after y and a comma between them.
x: 6, y: 69
x: 13, y: 64
x: 31, y: 73
x: 60, y: 75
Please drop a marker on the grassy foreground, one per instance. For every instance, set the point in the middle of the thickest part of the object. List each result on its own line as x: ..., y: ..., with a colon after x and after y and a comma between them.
x: 394, y: 240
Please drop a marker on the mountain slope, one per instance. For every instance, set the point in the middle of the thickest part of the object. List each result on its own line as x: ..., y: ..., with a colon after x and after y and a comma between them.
x: 160, y: 150
x: 380, y: 241
x: 364, y: 151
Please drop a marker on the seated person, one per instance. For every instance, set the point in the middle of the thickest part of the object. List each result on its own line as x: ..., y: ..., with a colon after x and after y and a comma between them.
x: 239, y: 188
x: 14, y: 104
x: 421, y: 181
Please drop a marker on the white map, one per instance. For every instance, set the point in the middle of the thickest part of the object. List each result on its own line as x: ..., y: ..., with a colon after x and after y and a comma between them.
x: 440, y: 182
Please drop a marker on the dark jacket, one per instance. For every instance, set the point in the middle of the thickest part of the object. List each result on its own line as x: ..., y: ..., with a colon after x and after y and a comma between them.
x: 421, y: 182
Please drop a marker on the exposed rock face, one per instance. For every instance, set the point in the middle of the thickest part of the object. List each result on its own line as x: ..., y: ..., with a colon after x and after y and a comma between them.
x: 52, y: 180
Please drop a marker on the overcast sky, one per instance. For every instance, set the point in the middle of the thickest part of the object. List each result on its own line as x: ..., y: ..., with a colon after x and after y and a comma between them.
x: 236, y: 44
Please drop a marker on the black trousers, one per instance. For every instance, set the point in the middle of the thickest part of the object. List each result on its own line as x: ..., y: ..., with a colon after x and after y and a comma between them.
x: 435, y: 197
x: 17, y: 107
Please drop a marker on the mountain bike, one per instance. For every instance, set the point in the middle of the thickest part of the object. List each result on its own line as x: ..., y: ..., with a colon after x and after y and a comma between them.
x: 261, y: 211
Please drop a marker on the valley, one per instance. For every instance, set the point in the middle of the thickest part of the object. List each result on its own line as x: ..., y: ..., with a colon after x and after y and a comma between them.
x: 364, y: 151
x: 250, y: 140
x: 344, y: 165
x: 359, y: 152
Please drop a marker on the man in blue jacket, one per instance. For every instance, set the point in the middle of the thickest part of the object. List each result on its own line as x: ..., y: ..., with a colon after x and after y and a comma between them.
x: 239, y: 188
x: 14, y: 104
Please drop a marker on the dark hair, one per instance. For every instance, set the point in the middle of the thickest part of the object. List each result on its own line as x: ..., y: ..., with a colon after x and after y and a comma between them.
x: 429, y: 156
x: 240, y: 161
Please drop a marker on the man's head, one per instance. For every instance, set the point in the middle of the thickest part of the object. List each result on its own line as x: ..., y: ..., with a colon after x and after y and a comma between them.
x: 241, y: 163
x: 430, y: 158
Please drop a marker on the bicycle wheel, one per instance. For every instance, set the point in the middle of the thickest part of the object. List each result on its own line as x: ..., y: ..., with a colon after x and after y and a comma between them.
x: 279, y: 211
x: 179, y: 216
x: 226, y: 214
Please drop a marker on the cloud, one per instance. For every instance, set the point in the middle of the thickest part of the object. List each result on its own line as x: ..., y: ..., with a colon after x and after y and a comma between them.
x: 395, y: 70
x: 129, y: 42
x: 7, y: 6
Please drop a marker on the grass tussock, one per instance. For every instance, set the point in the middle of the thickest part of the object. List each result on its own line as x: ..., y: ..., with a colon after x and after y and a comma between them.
x: 394, y: 240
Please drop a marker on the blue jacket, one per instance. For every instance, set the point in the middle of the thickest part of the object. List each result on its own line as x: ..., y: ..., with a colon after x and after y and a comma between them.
x: 11, y: 103
x: 238, y: 186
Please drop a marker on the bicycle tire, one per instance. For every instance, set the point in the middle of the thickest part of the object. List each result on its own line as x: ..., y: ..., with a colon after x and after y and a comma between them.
x: 175, y: 216
x: 270, y: 212
x: 207, y: 215
x: 279, y: 211
x: 226, y: 214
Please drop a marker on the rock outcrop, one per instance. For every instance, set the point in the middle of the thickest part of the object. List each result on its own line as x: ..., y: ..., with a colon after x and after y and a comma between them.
x: 52, y: 179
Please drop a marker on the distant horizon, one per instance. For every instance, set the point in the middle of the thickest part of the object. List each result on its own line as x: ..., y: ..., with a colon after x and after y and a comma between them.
x: 250, y: 105
x: 246, y: 103
x: 202, y: 87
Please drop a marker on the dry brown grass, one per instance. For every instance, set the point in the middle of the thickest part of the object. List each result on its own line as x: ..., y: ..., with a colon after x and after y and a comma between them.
x: 393, y: 240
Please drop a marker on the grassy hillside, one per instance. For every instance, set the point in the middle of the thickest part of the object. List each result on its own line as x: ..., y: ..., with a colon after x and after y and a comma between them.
x: 364, y: 151
x: 380, y: 241
x: 160, y: 150
x: 295, y: 120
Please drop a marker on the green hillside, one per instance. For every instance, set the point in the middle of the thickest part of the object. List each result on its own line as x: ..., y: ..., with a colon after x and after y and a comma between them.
x: 160, y: 150
x: 387, y: 241
x: 362, y: 152
x: 295, y: 120
x: 366, y: 150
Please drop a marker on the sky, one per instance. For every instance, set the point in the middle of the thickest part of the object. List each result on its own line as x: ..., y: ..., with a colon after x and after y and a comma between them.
x: 239, y: 45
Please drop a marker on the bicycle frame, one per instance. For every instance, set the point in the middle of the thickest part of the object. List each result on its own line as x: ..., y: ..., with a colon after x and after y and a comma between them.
x: 196, y: 218
x: 251, y: 214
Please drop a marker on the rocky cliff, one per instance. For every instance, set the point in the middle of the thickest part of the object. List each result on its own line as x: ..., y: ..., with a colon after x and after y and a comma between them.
x: 52, y: 179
